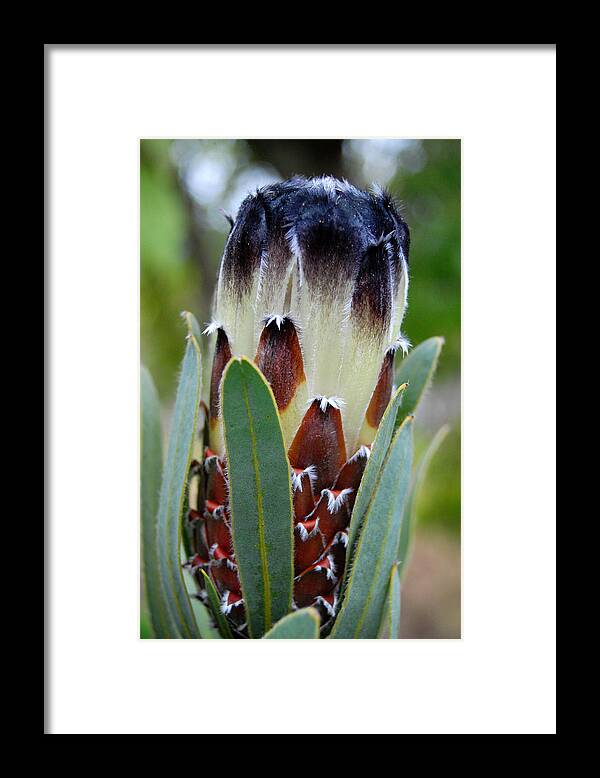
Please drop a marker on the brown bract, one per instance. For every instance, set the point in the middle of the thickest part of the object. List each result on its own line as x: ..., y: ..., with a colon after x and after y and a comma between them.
x: 320, y: 442
x: 220, y: 360
x: 382, y: 392
x: 279, y: 357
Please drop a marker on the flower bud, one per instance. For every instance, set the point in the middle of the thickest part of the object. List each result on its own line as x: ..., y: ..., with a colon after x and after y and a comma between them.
x: 313, y: 285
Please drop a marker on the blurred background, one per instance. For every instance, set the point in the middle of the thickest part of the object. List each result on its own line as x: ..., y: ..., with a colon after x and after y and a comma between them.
x: 186, y: 185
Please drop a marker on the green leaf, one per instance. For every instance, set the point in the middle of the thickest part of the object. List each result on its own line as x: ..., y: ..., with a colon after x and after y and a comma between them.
x: 151, y: 469
x: 202, y: 614
x: 204, y: 620
x: 174, y: 486
x: 260, y: 496
x: 300, y: 625
x: 146, y: 630
x: 193, y: 326
x: 215, y: 607
x: 417, y: 370
x: 408, y: 522
x: 390, y: 623
x: 184, y: 529
x: 373, y: 468
x: 364, y: 596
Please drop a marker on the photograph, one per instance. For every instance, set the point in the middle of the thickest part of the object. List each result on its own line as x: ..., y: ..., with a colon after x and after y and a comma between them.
x: 301, y: 327
x: 300, y: 388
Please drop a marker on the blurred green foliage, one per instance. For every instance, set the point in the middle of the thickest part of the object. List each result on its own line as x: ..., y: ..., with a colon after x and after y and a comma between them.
x: 185, y: 184
x: 438, y: 503
x: 430, y: 200
x: 169, y: 276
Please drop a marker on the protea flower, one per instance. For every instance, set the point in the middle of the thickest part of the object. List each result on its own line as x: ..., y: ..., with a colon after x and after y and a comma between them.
x: 312, y: 288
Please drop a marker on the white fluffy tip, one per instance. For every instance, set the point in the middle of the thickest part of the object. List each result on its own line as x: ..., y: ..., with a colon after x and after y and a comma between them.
x: 226, y: 607
x: 328, y: 607
x: 334, y: 503
x: 211, y: 327
x: 402, y: 343
x: 324, y: 402
x: 277, y: 318
x: 363, y: 452
x: 310, y: 471
x: 304, y: 533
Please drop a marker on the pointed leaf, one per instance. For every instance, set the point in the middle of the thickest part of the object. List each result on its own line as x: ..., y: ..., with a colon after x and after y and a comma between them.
x: 192, y: 325
x: 408, y: 522
x: 373, y: 468
x: 204, y: 620
x: 186, y: 547
x: 390, y: 623
x: 417, y: 370
x: 215, y: 608
x: 174, y: 486
x: 364, y: 596
x: 151, y: 469
x: 300, y: 625
x: 260, y: 495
